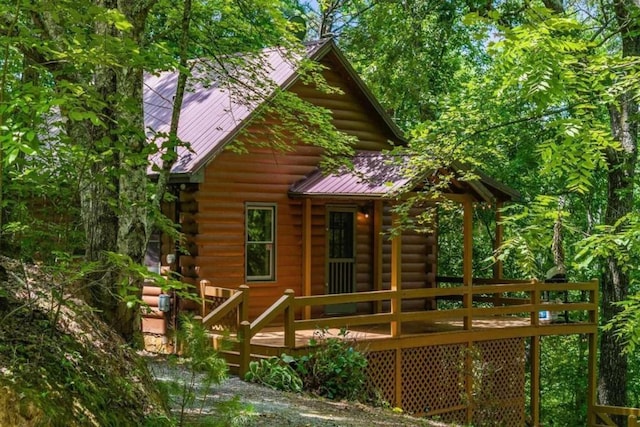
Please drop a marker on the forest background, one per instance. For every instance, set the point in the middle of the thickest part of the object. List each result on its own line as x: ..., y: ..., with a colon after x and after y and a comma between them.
x: 542, y: 95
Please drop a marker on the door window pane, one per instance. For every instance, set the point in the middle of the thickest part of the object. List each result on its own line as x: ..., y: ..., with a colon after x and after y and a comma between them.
x: 340, y: 234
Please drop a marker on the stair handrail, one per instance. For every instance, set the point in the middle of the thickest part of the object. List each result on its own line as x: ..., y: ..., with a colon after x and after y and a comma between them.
x: 246, y: 330
x: 238, y: 300
x: 284, y: 305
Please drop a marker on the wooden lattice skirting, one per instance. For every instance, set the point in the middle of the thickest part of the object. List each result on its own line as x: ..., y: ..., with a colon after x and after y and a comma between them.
x: 481, y: 382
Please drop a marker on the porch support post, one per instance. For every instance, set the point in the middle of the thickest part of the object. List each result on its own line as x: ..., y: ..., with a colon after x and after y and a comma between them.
x: 497, y: 267
x: 396, y: 280
x: 306, y: 254
x: 467, y: 263
x: 377, y: 251
x: 468, y: 382
x: 398, y: 377
x: 593, y: 357
x: 535, y: 380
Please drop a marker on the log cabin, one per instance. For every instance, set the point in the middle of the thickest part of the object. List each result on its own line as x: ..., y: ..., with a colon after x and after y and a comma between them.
x: 278, y: 248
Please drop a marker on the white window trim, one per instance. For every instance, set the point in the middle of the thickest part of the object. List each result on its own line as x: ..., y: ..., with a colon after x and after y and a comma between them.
x: 274, y: 209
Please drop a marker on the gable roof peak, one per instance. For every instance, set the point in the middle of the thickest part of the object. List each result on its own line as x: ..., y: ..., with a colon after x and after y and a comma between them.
x: 221, y: 100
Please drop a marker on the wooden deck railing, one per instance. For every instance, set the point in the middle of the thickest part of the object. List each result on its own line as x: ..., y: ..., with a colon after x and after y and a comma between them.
x: 602, y: 414
x: 485, y: 299
x: 499, y: 307
x: 233, y: 299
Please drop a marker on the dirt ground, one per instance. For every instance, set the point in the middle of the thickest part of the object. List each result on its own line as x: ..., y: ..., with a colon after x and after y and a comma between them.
x: 279, y: 409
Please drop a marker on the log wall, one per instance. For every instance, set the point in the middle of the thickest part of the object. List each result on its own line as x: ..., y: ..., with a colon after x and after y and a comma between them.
x: 264, y: 176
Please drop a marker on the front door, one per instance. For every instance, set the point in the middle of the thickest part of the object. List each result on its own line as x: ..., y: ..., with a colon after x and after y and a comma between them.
x: 341, y: 256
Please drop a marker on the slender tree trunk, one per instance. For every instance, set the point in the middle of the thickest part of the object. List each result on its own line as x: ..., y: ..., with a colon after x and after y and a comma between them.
x: 612, y: 385
x: 114, y: 195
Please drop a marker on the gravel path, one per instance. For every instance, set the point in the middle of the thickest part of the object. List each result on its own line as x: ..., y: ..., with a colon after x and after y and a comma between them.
x: 280, y: 409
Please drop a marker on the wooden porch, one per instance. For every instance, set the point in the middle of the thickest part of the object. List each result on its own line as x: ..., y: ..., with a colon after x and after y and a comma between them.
x: 486, y: 312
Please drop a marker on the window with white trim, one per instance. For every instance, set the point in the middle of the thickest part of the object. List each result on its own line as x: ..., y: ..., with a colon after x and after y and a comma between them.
x: 260, y: 242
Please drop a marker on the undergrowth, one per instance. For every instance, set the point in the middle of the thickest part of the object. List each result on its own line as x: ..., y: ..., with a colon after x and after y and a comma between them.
x: 334, y: 368
x: 67, y: 369
x: 199, y: 369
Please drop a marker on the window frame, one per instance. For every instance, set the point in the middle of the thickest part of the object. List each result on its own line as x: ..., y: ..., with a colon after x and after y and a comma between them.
x: 271, y: 207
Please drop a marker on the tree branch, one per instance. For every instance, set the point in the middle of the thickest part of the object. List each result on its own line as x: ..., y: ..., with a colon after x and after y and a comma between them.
x: 524, y: 119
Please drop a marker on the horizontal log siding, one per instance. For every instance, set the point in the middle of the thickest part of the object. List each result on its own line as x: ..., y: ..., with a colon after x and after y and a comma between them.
x: 417, y: 264
x: 264, y: 176
x: 259, y: 176
x: 364, y: 256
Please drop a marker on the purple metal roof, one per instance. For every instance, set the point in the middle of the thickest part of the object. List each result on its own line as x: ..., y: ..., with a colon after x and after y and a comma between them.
x: 218, y: 101
x: 374, y: 174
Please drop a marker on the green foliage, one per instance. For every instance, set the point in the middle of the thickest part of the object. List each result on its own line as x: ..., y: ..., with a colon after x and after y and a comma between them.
x: 228, y: 413
x: 130, y: 274
x: 334, y: 367
x: 626, y: 323
x: 194, y: 375
x: 411, y: 53
x: 275, y: 373
x: 620, y: 240
x: 57, y: 359
x: 203, y: 368
x: 563, y: 363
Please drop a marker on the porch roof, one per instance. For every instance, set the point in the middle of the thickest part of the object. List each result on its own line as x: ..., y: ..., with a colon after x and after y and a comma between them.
x: 374, y: 175
x: 377, y: 175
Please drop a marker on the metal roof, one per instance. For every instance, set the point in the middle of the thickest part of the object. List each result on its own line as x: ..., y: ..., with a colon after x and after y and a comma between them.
x: 378, y: 174
x: 374, y: 174
x: 221, y: 98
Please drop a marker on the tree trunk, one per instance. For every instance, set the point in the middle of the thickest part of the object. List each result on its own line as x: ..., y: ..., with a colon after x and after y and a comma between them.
x: 114, y: 196
x: 612, y: 384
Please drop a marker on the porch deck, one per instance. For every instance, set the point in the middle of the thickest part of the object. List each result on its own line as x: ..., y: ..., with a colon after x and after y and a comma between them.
x: 496, y: 316
x: 274, y: 336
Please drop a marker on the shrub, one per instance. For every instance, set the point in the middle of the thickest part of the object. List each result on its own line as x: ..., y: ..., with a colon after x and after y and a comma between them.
x: 274, y: 373
x: 334, y: 368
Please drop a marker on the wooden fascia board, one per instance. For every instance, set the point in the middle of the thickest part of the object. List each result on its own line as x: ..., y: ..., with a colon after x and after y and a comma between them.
x: 481, y: 184
x: 357, y: 196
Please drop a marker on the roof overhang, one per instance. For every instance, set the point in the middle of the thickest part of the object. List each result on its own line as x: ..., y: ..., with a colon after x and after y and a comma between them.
x: 374, y: 175
x: 377, y: 175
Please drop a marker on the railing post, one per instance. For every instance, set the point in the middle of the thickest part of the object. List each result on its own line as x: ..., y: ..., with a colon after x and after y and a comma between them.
x: 535, y: 380
x: 244, y: 334
x: 398, y: 377
x: 243, y: 309
x: 593, y: 357
x: 535, y: 301
x: 468, y: 382
x: 467, y: 262
x: 289, y: 320
x: 396, y: 281
x: 632, y: 421
x: 203, y: 306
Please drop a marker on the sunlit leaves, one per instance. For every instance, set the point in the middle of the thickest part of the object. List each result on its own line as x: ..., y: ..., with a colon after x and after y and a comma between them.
x: 530, y: 231
x: 625, y: 323
x: 620, y: 241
